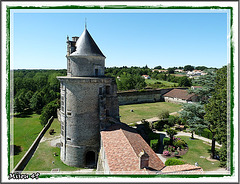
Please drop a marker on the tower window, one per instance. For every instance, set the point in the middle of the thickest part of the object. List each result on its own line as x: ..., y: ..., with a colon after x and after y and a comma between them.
x: 100, y: 91
x: 96, y: 72
x: 107, y: 90
x: 107, y: 113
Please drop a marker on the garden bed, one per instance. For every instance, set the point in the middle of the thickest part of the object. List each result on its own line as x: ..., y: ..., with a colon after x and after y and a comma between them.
x: 180, y: 153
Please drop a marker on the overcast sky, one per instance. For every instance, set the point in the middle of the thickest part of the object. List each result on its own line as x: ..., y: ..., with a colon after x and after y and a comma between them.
x: 126, y: 38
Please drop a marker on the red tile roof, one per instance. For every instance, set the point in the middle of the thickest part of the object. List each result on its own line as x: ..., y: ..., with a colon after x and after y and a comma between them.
x: 180, y: 94
x: 122, y: 146
x: 182, y: 169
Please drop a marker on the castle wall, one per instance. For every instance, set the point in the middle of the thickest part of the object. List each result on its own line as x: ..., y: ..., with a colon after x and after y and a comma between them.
x: 148, y: 96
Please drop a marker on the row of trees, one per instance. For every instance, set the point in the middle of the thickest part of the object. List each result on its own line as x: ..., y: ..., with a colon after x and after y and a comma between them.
x: 35, y: 90
x: 211, y: 112
x: 185, y: 68
x: 130, y: 77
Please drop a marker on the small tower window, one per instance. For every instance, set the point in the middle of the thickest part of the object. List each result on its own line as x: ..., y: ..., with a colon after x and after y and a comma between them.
x: 100, y: 91
x: 96, y: 72
x: 107, y: 90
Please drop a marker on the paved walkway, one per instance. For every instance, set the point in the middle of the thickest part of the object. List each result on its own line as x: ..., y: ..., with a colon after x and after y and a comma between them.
x: 189, y: 135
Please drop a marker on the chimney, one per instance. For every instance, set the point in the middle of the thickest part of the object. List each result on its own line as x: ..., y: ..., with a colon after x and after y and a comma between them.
x: 75, y: 38
x: 143, y: 159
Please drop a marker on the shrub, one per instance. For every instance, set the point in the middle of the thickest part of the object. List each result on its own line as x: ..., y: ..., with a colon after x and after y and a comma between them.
x: 175, y: 153
x: 173, y: 161
x: 179, y: 143
x: 159, y: 124
x: 204, y: 133
x: 154, y: 145
x: 163, y: 114
x: 166, y: 153
x: 172, y: 120
x: 166, y: 141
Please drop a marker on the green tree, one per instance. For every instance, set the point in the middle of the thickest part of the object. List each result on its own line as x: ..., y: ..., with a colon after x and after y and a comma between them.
x: 171, y: 70
x: 158, y: 67
x: 193, y: 115
x: 37, y: 101
x: 216, y: 112
x: 188, y: 68
x: 207, y: 82
x: 185, y: 82
x: 201, y: 68
x: 171, y: 132
x: 130, y: 81
x: 48, y: 111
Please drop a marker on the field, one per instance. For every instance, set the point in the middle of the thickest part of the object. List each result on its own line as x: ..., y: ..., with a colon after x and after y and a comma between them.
x: 145, y: 111
x: 166, y: 83
x: 26, y: 130
x: 196, y: 149
x: 43, y: 158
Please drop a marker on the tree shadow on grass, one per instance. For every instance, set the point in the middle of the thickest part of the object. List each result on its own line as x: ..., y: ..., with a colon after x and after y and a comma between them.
x: 26, y: 114
x: 15, y: 150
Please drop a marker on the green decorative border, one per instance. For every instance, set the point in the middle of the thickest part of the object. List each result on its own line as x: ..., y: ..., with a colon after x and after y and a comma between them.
x: 120, y: 7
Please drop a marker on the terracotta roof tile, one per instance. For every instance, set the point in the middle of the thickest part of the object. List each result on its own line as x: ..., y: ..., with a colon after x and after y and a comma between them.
x: 182, y: 169
x: 179, y: 93
x: 122, y: 146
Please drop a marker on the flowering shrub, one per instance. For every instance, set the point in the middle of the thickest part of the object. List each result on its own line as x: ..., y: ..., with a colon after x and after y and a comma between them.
x: 166, y: 153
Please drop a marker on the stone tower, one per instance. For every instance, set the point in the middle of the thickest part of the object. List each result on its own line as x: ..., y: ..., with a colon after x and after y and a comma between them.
x: 88, y: 102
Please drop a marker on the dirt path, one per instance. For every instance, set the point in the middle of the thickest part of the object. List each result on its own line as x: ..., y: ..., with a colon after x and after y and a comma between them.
x: 156, y: 118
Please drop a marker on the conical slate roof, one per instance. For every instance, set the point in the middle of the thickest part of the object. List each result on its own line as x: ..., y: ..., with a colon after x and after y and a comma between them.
x: 86, y: 46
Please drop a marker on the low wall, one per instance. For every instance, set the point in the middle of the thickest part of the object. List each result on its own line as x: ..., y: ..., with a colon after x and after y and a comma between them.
x: 148, y: 96
x: 28, y: 155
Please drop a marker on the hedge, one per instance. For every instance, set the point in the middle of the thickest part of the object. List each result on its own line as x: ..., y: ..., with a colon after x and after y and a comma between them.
x: 205, y: 133
x: 173, y: 161
x: 166, y: 141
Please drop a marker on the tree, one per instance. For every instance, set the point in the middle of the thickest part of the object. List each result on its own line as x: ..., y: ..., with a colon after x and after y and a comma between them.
x: 171, y: 132
x: 193, y: 115
x: 216, y: 113
x: 48, y: 111
x: 185, y: 82
x: 201, y: 68
x: 37, y: 101
x: 188, y: 68
x: 171, y: 70
x: 158, y: 67
x: 130, y: 81
x: 207, y: 82
x: 21, y: 101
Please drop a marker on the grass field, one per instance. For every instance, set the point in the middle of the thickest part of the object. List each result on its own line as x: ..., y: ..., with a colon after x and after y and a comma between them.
x: 166, y: 83
x: 44, y: 155
x: 196, y: 149
x: 145, y: 111
x: 25, y: 131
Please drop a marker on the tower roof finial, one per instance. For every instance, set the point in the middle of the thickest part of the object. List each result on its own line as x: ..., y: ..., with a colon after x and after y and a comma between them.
x: 85, y: 23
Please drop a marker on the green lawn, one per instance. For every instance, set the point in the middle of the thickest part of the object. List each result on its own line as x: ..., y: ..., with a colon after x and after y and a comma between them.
x: 145, y: 111
x: 166, y: 83
x: 44, y: 155
x: 25, y: 131
x: 196, y: 149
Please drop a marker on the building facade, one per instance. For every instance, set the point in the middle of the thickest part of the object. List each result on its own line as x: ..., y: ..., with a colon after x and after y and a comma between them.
x: 88, y: 102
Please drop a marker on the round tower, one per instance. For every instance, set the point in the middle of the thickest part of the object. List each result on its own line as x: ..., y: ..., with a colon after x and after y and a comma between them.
x: 88, y: 102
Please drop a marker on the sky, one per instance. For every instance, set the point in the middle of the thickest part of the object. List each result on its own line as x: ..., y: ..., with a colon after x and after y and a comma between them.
x: 126, y: 38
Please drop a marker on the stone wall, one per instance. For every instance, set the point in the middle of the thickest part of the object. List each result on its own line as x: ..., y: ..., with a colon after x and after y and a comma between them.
x: 148, y: 96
